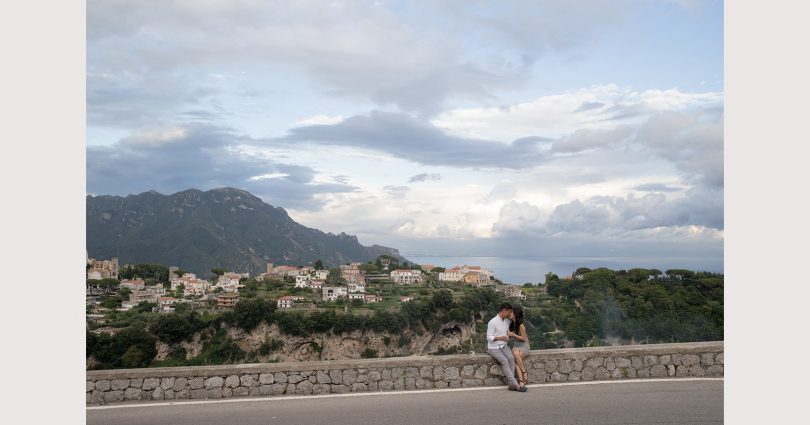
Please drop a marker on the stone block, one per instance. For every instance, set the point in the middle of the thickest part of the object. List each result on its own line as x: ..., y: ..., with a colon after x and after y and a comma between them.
x: 213, y: 382
x: 182, y: 394
x: 566, y: 366
x: 574, y: 376
x: 426, y: 372
x: 386, y: 373
x: 281, y: 377
x: 90, y: 386
x: 422, y: 384
x: 103, y: 385
x: 451, y: 373
x: 240, y: 391
x: 455, y: 383
x: 643, y: 373
x: 305, y: 373
x: 621, y: 362
x: 595, y: 362
x: 690, y: 360
x: 440, y: 384
x: 397, y: 372
x: 714, y: 370
x: 601, y: 373
x: 636, y: 362
x: 650, y: 361
x: 197, y: 394
x: 410, y: 383
x: 151, y: 384
x: 677, y: 359
x: 616, y: 373
x: 295, y: 378
x: 588, y: 373
x: 312, y: 379
x: 670, y: 370
x: 493, y: 382
x: 578, y: 365
x: 349, y: 376
x: 248, y: 381
x: 658, y: 371
x: 178, y: 384
x: 304, y: 387
x: 386, y: 385
x: 551, y: 365
x: 467, y: 383
x: 264, y: 379
x: 558, y: 377
x: 136, y: 383
x: 290, y: 389
x: 255, y: 391
x: 232, y: 381
x: 340, y: 389
x: 610, y: 366
x: 278, y: 389
x: 665, y: 359
x: 214, y: 393
x: 227, y: 392
x: 168, y: 394
x: 97, y: 396
x: 681, y: 371
x: 358, y: 387
x: 534, y: 376
x: 707, y: 359
x: 535, y: 365
x: 629, y: 372
x: 362, y: 378
x: 196, y: 383
x: 468, y: 371
x: 719, y: 358
x: 322, y: 377
x: 115, y: 395
x: 481, y: 372
x: 119, y: 384
x: 319, y: 389
x: 158, y: 393
x: 412, y: 372
x: 696, y: 370
x: 372, y: 386
x: 496, y: 370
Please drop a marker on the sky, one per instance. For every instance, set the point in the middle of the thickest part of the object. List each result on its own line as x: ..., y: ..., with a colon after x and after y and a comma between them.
x: 436, y: 127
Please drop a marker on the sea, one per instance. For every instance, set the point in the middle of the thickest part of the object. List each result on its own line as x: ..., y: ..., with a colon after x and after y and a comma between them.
x: 520, y: 270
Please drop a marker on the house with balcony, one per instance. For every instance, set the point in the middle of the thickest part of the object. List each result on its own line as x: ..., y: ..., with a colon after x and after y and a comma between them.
x: 227, y: 300
x: 285, y: 302
x: 371, y: 298
x: 407, y: 277
x: 332, y: 293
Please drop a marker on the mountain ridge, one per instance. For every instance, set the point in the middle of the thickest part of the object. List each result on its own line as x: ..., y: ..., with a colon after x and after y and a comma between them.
x: 199, y: 230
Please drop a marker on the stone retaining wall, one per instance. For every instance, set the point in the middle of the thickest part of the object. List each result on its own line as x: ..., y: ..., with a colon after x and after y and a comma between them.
x: 402, y: 373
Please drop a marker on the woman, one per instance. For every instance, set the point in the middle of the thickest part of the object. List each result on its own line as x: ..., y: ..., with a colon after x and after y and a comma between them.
x: 520, y: 344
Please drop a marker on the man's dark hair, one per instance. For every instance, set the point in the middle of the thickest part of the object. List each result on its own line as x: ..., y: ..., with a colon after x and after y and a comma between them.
x: 505, y: 306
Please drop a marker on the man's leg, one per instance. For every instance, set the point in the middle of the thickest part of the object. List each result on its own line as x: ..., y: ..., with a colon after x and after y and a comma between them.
x: 507, y: 352
x: 507, y: 366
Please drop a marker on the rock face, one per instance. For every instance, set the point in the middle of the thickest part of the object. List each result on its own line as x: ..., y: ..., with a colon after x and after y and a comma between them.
x: 403, y: 373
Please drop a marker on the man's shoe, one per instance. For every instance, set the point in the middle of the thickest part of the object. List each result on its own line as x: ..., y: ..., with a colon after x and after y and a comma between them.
x: 522, y: 389
x: 513, y: 387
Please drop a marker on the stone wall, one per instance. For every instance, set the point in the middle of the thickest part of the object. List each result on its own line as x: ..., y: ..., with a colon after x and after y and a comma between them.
x: 402, y: 373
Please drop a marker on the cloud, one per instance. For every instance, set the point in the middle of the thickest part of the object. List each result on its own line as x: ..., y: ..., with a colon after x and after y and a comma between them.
x: 203, y: 157
x: 396, y: 191
x: 617, y: 217
x: 406, y: 137
x: 425, y: 177
x: 655, y: 187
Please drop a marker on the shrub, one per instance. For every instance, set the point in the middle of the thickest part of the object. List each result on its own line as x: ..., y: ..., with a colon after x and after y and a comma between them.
x: 369, y: 353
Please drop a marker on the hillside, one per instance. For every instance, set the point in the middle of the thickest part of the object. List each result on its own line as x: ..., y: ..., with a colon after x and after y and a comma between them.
x: 198, y: 231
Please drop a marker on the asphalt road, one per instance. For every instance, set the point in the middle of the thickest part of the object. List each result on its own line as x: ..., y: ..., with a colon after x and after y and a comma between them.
x: 646, y: 402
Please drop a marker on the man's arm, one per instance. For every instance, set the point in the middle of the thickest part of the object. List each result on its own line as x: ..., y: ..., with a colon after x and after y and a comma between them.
x: 490, y: 332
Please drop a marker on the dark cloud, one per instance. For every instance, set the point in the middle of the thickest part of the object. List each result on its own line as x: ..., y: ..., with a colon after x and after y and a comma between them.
x: 201, y: 157
x: 407, y: 137
x: 656, y: 187
x: 425, y: 177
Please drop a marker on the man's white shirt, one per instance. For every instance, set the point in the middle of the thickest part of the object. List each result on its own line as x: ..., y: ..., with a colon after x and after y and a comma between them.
x: 497, y: 327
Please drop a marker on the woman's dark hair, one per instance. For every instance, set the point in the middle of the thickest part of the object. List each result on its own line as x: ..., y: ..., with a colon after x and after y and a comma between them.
x: 515, y: 325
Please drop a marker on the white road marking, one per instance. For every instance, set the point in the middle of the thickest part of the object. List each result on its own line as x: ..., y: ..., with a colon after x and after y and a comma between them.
x: 388, y: 393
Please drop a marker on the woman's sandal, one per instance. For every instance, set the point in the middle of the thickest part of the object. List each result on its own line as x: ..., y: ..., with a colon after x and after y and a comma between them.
x: 524, y: 376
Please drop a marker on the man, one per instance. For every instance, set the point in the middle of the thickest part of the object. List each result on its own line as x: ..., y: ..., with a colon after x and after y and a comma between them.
x: 497, y: 336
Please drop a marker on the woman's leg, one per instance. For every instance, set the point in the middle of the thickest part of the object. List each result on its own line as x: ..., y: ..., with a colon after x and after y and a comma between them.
x: 519, y: 369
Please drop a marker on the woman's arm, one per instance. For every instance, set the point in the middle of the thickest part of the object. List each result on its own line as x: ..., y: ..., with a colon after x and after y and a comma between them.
x: 522, y: 337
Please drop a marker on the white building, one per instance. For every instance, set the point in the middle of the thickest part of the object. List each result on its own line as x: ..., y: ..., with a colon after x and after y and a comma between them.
x: 133, y: 284
x: 167, y: 304
x: 357, y: 287
x: 406, y: 277
x: 357, y: 296
x: 451, y: 275
x: 331, y: 293
x: 302, y: 281
x: 321, y: 274
x: 285, y: 302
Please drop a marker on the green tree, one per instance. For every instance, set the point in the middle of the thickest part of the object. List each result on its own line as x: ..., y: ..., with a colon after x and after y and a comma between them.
x: 318, y: 264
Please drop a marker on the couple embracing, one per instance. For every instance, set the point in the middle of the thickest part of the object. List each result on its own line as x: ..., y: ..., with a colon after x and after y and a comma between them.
x: 508, y: 323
